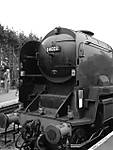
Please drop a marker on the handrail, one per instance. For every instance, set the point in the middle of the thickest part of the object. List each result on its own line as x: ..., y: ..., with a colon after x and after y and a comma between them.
x: 37, y: 96
x: 89, y: 42
x: 63, y: 103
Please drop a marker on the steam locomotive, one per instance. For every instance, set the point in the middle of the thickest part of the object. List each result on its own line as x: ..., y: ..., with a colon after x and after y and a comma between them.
x: 66, y: 89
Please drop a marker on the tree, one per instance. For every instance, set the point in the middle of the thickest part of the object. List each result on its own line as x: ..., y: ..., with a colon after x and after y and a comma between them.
x: 10, y: 46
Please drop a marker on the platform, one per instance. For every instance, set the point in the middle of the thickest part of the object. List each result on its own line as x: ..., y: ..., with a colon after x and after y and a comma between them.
x: 8, y: 98
x: 105, y: 144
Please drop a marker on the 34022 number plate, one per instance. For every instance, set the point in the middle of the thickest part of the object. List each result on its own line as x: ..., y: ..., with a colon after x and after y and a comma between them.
x: 53, y: 49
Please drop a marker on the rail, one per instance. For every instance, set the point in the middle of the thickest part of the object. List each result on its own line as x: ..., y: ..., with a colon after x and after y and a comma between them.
x: 9, y: 109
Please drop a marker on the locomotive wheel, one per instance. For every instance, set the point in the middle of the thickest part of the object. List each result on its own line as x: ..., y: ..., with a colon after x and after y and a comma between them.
x: 42, y: 144
x: 79, y: 136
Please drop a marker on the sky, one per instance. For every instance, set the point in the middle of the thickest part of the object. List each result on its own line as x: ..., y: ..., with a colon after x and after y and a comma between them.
x: 42, y: 16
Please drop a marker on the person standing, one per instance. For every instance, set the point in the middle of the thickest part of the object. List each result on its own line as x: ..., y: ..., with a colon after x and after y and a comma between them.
x: 7, y: 80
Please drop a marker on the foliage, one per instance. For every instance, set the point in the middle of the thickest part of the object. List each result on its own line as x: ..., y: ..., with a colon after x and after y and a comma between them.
x: 11, y: 43
x: 9, y: 39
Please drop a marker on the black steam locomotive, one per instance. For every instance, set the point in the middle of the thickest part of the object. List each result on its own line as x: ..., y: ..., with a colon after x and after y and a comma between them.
x: 66, y: 88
